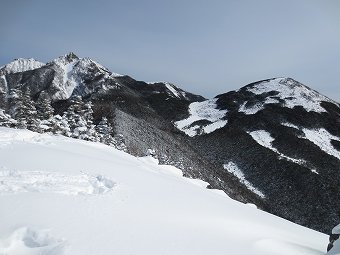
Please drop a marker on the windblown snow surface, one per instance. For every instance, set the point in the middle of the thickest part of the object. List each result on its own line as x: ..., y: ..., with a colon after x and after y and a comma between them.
x: 202, y: 111
x: 64, y: 196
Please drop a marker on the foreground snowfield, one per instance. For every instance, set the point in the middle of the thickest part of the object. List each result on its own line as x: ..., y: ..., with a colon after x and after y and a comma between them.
x: 66, y: 196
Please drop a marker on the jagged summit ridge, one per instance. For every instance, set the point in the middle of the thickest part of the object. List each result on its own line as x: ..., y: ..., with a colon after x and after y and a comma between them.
x: 63, y: 77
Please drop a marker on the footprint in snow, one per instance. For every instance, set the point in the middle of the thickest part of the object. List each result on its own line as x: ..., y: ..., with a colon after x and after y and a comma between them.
x: 52, y: 182
x: 31, y: 242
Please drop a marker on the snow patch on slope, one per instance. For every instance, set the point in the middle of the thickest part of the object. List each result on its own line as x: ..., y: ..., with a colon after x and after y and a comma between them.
x: 292, y: 93
x: 287, y: 124
x: 20, y: 65
x: 5, y: 85
x: 171, y: 88
x: 251, y: 110
x: 236, y: 171
x: 29, y: 241
x: 322, y: 138
x: 264, y: 138
x: 202, y: 111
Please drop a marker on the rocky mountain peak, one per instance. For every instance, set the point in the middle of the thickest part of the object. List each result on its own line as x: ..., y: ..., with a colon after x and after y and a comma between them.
x: 71, y: 56
x: 65, y: 59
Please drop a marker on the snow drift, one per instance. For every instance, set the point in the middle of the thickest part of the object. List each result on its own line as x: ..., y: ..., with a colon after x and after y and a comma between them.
x: 136, y: 206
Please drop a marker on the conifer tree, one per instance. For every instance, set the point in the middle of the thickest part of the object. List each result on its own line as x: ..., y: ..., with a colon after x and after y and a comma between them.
x: 72, y: 115
x: 3, y: 100
x: 80, y: 119
x: 87, y: 114
x: 59, y: 125
x: 104, y: 131
x: 14, y: 96
x: 44, y: 113
x: 44, y: 108
x: 17, y: 108
x: 29, y: 110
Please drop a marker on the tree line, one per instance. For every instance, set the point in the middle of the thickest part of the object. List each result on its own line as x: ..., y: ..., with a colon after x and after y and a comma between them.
x: 18, y: 110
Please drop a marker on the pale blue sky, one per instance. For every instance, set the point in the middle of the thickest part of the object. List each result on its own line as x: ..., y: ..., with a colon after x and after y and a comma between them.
x: 205, y: 47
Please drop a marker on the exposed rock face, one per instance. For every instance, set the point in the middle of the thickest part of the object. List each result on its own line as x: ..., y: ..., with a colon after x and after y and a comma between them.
x: 274, y: 143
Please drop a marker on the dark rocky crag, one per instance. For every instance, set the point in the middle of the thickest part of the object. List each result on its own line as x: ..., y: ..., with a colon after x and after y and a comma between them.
x: 298, y: 180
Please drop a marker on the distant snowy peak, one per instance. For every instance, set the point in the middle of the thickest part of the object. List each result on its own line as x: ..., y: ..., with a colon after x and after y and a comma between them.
x: 73, y: 72
x: 20, y: 65
x: 71, y: 61
x: 287, y: 92
x: 204, y: 118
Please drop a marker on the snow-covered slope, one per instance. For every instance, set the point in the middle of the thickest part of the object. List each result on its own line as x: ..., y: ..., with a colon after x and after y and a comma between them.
x: 289, y: 93
x: 20, y: 65
x: 67, y: 196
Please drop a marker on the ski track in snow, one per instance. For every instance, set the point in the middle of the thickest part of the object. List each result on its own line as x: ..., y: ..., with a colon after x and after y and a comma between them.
x: 205, y: 110
x: 46, y: 182
x: 28, y: 241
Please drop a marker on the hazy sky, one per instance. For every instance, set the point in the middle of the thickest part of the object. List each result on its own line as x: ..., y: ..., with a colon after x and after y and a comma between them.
x: 205, y: 47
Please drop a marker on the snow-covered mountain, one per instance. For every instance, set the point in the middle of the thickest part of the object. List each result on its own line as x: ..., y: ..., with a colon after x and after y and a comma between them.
x: 67, y: 196
x: 283, y: 138
x: 20, y: 65
x: 274, y: 143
